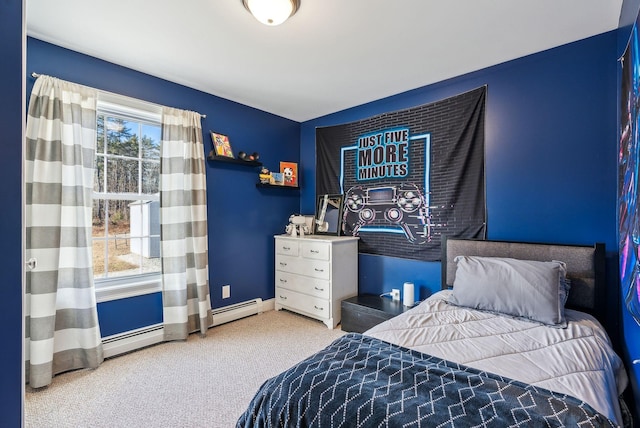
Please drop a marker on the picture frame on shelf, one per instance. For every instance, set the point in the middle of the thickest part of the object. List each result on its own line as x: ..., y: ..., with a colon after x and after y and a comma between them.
x: 277, y: 178
x: 221, y: 145
x: 289, y: 171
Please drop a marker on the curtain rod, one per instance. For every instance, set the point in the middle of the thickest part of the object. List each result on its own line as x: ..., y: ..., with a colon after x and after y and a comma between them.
x: 36, y: 75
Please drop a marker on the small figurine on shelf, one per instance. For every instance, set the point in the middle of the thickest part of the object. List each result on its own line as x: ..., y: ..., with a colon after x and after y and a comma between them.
x: 265, y: 176
x: 249, y: 157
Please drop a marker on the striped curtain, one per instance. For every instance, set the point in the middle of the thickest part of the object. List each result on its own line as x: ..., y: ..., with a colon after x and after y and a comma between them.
x: 62, y: 331
x: 183, y: 226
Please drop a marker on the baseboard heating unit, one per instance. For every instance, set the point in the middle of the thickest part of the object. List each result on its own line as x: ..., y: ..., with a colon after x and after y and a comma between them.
x: 132, y: 340
x: 128, y: 341
x: 237, y: 311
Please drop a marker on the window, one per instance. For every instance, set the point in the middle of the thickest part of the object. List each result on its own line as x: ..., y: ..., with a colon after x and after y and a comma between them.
x: 126, y: 212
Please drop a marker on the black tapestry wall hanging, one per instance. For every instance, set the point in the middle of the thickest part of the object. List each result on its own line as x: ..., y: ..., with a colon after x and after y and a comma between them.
x: 409, y: 177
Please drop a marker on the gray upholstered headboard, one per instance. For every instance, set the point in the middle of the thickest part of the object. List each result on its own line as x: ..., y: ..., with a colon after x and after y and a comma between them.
x: 585, y: 265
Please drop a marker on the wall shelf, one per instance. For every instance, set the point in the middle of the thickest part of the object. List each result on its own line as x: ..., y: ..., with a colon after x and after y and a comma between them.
x: 277, y: 186
x: 224, y: 159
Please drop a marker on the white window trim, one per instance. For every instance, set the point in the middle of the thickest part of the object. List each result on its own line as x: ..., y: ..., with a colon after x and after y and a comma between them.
x: 127, y: 196
x: 119, y: 105
x: 108, y: 289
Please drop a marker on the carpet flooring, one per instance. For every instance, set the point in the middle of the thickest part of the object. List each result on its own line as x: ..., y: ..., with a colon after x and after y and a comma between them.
x: 203, y: 381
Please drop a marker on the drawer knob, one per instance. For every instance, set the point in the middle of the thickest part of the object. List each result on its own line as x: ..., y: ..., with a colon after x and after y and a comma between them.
x: 286, y: 248
x: 314, y: 251
x: 319, y: 289
x: 319, y: 270
x: 283, y: 264
x: 318, y: 308
x: 283, y: 297
x: 283, y: 280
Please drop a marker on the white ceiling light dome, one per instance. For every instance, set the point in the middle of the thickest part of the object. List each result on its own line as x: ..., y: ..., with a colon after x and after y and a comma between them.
x: 272, y: 12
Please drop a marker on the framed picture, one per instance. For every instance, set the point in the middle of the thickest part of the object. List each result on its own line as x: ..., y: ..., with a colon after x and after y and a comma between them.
x: 328, y: 219
x: 221, y: 145
x: 277, y: 178
x: 289, y: 170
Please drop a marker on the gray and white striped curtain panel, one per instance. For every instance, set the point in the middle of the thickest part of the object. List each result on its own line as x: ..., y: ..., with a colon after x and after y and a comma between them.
x: 183, y: 226
x: 62, y: 331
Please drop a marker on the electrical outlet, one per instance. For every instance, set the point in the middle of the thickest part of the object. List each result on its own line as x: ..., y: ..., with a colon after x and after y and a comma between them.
x: 226, y: 291
x: 395, y: 294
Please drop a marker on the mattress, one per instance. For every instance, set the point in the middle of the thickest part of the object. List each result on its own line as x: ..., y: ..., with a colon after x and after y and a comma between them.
x: 577, y: 360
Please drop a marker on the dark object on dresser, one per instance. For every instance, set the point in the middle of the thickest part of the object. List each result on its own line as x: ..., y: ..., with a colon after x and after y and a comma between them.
x: 360, y: 313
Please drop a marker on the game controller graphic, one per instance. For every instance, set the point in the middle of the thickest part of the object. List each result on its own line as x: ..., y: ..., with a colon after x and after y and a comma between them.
x: 387, y: 209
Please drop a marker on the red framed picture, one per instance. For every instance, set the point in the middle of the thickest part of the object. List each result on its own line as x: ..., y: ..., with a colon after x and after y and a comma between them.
x: 289, y: 170
x: 221, y: 145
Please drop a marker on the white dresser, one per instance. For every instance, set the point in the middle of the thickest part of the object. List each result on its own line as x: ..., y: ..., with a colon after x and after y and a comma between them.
x: 315, y: 273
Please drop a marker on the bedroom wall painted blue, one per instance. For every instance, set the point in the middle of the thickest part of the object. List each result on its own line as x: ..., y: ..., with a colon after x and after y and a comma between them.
x: 242, y: 218
x: 11, y: 120
x: 115, y: 322
x: 551, y: 162
x: 506, y: 135
x: 550, y: 152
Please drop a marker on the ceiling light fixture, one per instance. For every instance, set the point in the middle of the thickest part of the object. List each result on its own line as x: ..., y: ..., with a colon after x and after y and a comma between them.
x: 272, y: 12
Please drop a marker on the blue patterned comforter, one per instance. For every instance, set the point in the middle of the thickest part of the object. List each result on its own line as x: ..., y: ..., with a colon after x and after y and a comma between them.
x: 360, y: 381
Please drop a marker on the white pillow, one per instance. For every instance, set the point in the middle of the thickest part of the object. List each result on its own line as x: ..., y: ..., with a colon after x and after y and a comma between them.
x: 525, y: 289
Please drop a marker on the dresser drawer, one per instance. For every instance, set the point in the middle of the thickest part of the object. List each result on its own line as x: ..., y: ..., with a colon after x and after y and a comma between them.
x: 287, y: 247
x: 301, y: 302
x: 313, y: 274
x: 314, y: 268
x: 315, y: 250
x: 303, y: 284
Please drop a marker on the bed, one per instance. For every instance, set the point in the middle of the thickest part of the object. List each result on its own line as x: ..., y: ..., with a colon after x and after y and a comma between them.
x: 512, y: 339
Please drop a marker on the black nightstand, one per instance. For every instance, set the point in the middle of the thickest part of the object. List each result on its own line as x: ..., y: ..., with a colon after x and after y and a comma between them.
x: 360, y: 313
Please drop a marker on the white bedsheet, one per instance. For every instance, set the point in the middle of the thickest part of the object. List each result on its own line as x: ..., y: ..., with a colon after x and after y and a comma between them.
x: 578, y: 360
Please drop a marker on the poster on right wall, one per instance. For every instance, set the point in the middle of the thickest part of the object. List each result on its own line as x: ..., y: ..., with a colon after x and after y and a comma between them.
x: 628, y: 179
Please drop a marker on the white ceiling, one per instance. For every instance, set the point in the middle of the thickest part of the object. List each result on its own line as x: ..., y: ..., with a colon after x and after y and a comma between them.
x: 331, y: 55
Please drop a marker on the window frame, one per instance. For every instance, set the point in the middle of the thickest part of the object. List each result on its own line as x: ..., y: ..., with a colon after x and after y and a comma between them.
x: 114, y: 288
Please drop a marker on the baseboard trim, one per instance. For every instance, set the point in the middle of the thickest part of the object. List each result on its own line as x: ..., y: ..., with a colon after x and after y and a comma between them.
x: 269, y: 305
x: 236, y: 311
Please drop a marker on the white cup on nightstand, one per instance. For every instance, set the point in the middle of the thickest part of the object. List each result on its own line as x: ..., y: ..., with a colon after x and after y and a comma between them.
x: 408, y: 294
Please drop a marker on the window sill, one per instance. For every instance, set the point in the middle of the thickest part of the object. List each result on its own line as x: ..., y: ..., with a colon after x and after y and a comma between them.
x: 123, y: 288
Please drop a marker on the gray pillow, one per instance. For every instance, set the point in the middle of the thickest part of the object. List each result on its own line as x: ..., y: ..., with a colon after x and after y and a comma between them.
x: 525, y: 289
